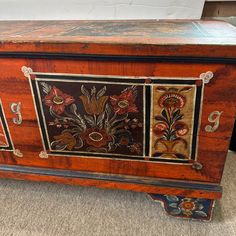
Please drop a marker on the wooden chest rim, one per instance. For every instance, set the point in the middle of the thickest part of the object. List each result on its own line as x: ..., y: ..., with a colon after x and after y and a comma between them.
x: 156, y: 185
x: 120, y: 58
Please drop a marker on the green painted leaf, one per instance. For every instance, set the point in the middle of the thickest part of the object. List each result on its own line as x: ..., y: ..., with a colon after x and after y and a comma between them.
x: 46, y: 87
x: 164, y: 114
x: 200, y: 207
x: 176, y: 113
x: 175, y: 211
x: 201, y: 213
x: 171, y: 198
x: 173, y: 204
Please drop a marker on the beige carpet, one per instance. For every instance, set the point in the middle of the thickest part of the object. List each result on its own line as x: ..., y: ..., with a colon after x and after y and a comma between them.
x: 28, y: 208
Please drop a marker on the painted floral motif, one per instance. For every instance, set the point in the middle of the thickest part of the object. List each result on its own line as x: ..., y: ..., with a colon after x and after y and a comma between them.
x: 169, y: 126
x: 57, y: 100
x: 97, y: 137
x: 93, y: 120
x: 125, y: 102
x: 93, y: 102
x: 171, y: 100
x: 188, y: 207
x: 64, y: 140
x: 192, y: 208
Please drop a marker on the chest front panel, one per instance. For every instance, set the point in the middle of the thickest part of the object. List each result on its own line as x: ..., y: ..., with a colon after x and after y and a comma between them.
x: 164, y: 120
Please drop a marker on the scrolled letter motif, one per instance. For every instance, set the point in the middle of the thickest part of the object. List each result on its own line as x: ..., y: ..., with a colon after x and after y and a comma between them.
x: 214, y: 118
x: 15, y: 108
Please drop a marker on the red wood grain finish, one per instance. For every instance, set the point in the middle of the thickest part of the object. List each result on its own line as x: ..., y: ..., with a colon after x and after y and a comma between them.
x: 144, y: 38
x: 113, y: 185
x: 212, y: 146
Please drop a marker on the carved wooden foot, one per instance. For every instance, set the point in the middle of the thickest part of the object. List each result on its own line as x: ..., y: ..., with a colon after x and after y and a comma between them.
x: 184, y: 207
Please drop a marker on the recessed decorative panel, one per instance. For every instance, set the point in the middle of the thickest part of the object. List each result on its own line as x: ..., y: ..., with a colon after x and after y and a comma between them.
x: 83, y: 117
x: 174, y: 120
x: 5, y: 139
x: 136, y: 118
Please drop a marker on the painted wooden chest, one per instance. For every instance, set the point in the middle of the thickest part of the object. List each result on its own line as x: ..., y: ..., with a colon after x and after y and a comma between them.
x: 137, y: 105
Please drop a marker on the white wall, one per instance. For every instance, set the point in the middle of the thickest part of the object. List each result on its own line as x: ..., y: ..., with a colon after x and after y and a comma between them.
x: 95, y: 9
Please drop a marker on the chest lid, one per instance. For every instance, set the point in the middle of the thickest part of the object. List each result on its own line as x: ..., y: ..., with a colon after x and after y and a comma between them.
x: 131, y: 37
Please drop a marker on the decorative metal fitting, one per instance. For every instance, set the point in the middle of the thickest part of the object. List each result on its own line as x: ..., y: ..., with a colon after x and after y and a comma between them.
x: 43, y: 155
x: 26, y: 71
x: 197, y: 166
x: 206, y: 77
x: 18, y: 153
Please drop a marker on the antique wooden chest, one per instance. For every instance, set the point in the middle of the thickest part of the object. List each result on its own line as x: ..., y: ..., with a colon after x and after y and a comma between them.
x: 137, y: 105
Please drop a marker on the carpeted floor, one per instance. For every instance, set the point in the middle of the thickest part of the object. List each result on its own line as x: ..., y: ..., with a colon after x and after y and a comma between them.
x: 29, y: 208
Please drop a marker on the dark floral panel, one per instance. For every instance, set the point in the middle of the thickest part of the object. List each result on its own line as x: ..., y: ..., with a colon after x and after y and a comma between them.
x: 5, y: 140
x: 92, y: 118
